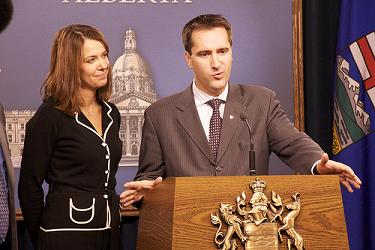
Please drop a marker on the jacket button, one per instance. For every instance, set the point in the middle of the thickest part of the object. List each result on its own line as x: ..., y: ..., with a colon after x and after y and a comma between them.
x: 106, y: 172
x: 107, y: 157
x: 218, y: 169
x: 105, y: 196
x: 104, y: 144
x: 106, y: 184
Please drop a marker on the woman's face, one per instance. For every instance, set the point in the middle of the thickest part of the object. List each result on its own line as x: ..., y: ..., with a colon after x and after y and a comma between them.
x: 95, y: 65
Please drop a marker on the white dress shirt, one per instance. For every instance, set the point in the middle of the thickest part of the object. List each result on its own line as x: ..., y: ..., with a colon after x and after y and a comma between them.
x: 205, y: 110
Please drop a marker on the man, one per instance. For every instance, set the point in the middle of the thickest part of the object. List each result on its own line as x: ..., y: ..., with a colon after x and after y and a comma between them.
x: 201, y: 131
x: 8, y: 230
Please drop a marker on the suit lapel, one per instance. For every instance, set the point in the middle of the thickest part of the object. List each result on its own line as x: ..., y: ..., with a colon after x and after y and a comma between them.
x: 188, y: 118
x: 231, y: 119
x: 6, y: 154
x: 3, y: 137
x: 11, y: 179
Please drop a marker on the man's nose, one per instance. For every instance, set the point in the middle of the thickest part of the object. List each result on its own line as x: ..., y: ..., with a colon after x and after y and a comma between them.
x: 215, y: 61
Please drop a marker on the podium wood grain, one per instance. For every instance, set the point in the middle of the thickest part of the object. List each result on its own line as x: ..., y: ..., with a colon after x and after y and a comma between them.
x: 176, y: 214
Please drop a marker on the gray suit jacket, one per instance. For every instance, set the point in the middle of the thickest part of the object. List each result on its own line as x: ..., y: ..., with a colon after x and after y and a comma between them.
x: 174, y: 143
x: 11, y: 181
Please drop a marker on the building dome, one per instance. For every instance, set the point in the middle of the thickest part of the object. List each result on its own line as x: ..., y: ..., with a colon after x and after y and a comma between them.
x: 133, y: 92
x: 130, y: 72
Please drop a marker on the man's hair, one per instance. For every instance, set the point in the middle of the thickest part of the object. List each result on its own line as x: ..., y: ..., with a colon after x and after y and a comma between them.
x: 6, y: 13
x: 64, y: 78
x: 204, y: 22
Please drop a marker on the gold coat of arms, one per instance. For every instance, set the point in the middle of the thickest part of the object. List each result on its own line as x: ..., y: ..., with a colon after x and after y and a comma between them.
x: 258, y: 223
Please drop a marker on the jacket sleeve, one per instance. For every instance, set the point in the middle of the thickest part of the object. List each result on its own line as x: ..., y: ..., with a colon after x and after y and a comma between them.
x: 293, y: 147
x: 38, y: 147
x: 151, y: 158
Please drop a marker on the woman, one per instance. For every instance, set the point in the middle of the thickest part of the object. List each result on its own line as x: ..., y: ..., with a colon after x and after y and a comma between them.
x: 72, y: 142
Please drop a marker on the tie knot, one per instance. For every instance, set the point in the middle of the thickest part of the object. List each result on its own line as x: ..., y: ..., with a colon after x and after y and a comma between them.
x: 215, y: 103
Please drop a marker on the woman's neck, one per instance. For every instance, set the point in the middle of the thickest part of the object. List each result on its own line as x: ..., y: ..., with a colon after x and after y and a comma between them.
x: 88, y: 97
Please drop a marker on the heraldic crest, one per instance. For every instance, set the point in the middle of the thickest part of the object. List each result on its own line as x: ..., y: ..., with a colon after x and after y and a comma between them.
x: 261, y: 226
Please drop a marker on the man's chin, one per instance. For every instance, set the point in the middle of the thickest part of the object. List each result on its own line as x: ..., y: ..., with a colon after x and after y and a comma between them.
x: 220, y: 84
x: 218, y: 88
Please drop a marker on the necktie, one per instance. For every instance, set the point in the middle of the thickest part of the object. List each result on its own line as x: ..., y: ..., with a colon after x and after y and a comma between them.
x: 4, y: 208
x: 215, y: 125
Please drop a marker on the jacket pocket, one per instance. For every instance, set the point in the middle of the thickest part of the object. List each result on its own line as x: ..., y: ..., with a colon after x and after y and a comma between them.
x: 75, y: 211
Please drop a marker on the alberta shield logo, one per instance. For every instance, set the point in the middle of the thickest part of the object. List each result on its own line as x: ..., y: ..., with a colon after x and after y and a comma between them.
x: 354, y: 93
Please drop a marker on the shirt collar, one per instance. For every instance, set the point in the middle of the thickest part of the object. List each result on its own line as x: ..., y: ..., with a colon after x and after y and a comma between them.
x: 201, y: 97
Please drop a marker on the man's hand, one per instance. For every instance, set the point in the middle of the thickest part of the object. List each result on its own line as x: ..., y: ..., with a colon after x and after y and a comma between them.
x: 135, y: 190
x: 346, y: 174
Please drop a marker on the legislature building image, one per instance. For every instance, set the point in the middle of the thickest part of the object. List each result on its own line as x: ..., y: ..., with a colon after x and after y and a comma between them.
x: 132, y: 93
x: 15, y: 128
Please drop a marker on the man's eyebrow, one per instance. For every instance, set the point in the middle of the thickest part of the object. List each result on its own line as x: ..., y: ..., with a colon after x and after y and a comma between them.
x: 204, y: 51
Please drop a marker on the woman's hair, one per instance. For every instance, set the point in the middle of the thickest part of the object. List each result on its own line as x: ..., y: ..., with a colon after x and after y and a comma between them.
x: 204, y: 22
x: 63, y: 80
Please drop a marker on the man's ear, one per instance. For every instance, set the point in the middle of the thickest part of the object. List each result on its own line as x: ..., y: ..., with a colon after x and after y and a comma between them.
x: 188, y: 59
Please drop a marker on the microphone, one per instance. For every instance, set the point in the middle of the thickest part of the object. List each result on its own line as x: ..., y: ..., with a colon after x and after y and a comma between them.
x: 252, y: 151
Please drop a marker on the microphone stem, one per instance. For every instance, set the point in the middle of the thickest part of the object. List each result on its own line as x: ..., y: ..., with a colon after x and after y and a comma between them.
x: 252, y: 150
x: 252, y: 161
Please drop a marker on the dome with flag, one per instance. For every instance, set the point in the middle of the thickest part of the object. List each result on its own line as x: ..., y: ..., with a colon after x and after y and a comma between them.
x: 133, y: 91
x: 130, y: 72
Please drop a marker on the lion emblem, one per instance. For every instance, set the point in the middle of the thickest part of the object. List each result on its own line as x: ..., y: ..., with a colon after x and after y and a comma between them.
x: 257, y: 222
x: 234, y: 226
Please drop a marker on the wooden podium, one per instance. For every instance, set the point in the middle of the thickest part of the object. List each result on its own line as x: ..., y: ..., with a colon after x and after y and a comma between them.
x: 176, y: 214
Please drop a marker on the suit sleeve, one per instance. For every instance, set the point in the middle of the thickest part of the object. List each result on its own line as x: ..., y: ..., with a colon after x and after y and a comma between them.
x: 38, y: 146
x: 293, y: 147
x: 151, y: 158
x: 2, y: 116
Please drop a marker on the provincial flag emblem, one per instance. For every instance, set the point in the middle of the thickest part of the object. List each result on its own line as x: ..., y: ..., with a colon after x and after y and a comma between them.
x: 354, y: 96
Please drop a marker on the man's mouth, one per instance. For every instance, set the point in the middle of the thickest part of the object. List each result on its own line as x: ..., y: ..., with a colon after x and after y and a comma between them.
x: 218, y: 75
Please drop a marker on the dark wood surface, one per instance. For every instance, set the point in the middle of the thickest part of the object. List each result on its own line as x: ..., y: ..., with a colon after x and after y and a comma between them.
x: 298, y: 82
x: 176, y: 215
x: 158, y: 214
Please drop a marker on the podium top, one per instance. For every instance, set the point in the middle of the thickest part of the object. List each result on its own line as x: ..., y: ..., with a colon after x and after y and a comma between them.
x: 176, y: 214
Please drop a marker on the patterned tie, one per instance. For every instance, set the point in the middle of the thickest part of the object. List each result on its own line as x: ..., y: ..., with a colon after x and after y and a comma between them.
x: 4, y: 208
x: 215, y: 125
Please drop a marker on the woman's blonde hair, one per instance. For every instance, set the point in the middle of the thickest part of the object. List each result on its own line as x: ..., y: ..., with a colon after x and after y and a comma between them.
x: 63, y: 80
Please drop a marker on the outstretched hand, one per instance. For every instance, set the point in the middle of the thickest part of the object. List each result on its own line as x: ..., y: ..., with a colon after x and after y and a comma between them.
x: 347, y: 176
x: 135, y: 190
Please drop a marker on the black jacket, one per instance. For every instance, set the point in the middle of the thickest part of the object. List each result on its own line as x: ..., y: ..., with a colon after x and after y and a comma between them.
x: 79, y: 166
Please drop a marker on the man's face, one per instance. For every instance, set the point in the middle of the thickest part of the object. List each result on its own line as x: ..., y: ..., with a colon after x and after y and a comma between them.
x: 210, y: 59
